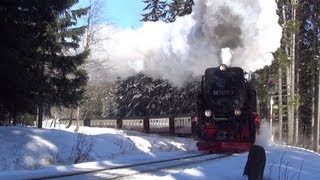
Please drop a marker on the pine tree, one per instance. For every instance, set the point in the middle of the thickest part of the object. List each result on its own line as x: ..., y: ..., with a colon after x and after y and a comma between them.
x: 37, y: 37
x: 141, y: 95
x: 18, y: 34
x: 174, y: 9
x: 179, y: 8
x: 187, y: 7
x: 307, y: 12
x: 157, y: 10
x: 61, y: 81
x: 307, y: 67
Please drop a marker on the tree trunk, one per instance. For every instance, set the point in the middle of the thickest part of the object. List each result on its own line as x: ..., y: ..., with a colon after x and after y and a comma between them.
x: 317, y: 83
x: 280, y: 103
x: 313, y: 108
x: 316, y: 120
x: 40, y: 116
x: 297, y: 118
x: 289, y: 107
x: 14, y: 116
x: 287, y: 48
x: 78, y: 119
x: 293, y: 62
x: 71, y: 117
x: 55, y: 120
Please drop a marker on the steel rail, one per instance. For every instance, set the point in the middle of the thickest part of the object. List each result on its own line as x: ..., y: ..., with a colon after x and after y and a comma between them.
x: 178, y: 164
x: 124, y: 166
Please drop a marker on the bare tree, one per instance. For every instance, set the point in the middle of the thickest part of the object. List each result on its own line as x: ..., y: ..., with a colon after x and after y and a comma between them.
x: 94, y: 22
x: 95, y: 66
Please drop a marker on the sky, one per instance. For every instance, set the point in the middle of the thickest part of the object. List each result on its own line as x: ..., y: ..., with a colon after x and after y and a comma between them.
x: 122, y: 13
x: 32, y: 153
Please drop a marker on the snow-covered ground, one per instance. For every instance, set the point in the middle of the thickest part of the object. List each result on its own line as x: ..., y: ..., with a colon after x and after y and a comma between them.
x: 27, y: 152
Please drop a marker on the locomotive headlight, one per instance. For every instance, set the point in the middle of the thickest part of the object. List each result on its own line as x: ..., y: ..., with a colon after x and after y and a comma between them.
x: 223, y: 67
x: 237, y: 112
x: 208, y: 113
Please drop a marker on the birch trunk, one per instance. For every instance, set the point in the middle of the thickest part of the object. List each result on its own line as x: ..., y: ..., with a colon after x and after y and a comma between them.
x: 313, y: 109
x: 289, y: 106
x: 293, y: 61
x: 280, y: 103
x: 78, y: 118
x: 71, y: 116
x: 287, y: 48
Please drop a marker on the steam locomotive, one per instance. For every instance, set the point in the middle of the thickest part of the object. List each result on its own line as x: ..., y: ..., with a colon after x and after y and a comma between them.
x: 225, y: 121
x: 227, y: 118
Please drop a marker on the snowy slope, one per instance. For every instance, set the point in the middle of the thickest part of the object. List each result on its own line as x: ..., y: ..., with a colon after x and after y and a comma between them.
x: 30, y: 153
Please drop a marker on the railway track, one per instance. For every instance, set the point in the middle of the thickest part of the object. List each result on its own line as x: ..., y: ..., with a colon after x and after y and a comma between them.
x: 167, y: 166
x: 123, y: 171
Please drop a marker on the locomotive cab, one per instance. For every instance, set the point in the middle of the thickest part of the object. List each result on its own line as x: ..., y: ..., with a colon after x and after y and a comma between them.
x: 226, y: 106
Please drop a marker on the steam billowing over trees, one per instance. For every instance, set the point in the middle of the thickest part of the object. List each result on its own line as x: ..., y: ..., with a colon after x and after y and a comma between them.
x: 41, y: 68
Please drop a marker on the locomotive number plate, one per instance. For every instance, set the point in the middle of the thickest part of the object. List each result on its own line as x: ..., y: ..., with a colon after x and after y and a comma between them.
x: 222, y: 93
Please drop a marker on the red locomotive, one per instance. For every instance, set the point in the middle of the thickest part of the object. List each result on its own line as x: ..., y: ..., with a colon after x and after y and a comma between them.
x: 227, y: 118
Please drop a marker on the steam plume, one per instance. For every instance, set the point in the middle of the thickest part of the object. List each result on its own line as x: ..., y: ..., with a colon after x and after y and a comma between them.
x: 184, y: 49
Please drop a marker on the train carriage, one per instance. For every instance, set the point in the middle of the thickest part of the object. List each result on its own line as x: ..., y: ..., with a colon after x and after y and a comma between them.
x: 73, y: 122
x: 185, y: 125
x: 163, y: 124
x: 136, y: 124
x: 103, y: 122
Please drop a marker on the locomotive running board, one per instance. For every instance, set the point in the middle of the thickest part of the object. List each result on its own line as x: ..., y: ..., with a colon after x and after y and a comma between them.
x: 236, y: 147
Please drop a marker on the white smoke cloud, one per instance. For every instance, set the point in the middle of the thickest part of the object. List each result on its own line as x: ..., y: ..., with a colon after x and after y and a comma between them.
x: 226, y: 55
x: 184, y: 49
x: 264, y: 137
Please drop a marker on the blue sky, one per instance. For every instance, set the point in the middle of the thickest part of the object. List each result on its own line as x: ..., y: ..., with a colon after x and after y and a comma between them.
x: 122, y: 13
